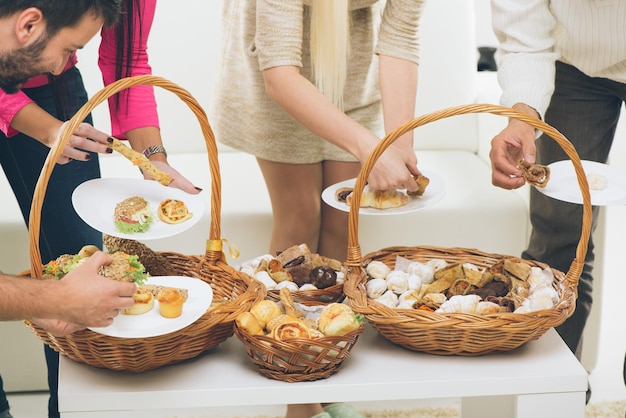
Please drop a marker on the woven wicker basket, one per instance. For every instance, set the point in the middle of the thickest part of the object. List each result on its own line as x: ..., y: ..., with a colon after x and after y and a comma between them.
x: 237, y: 290
x: 460, y: 334
x: 314, y: 296
x: 298, y: 359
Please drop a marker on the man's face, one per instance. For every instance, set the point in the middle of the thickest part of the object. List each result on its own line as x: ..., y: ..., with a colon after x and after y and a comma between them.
x: 45, y: 55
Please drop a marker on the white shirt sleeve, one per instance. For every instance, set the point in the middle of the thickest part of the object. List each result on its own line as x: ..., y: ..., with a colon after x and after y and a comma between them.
x: 526, y: 55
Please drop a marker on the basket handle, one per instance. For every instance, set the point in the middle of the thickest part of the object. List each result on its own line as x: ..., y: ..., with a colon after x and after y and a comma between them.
x: 354, y: 250
x: 214, y: 243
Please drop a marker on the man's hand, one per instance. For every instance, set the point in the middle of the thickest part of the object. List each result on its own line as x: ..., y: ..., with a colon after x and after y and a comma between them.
x: 90, y: 300
x: 56, y: 327
x: 514, y: 143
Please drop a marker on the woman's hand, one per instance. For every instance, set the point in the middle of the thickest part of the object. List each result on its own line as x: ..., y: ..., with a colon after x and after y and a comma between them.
x: 35, y: 122
x: 395, y: 169
x: 85, y: 138
x: 179, y: 182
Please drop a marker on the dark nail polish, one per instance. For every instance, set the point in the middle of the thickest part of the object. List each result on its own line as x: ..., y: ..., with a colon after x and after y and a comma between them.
x: 199, y: 189
x: 87, y: 157
x: 110, y: 140
x: 109, y: 151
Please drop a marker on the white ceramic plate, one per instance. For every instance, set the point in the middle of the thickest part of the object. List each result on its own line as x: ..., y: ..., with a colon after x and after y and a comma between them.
x: 95, y: 201
x: 563, y: 183
x: 151, y: 324
x: 435, y: 191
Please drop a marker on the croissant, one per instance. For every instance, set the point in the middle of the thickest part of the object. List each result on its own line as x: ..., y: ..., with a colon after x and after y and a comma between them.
x: 381, y: 199
x: 422, y: 182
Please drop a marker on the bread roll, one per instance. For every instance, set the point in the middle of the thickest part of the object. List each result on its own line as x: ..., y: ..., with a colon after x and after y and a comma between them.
x: 144, y: 302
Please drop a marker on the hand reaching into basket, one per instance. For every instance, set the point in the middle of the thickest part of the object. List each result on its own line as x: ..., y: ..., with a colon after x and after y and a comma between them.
x: 516, y: 142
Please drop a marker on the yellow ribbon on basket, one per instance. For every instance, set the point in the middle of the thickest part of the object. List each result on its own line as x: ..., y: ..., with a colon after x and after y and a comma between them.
x: 216, y: 245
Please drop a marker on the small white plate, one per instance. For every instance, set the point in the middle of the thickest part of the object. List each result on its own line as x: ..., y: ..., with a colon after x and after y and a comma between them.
x: 435, y: 191
x: 563, y: 183
x: 152, y: 324
x: 95, y: 201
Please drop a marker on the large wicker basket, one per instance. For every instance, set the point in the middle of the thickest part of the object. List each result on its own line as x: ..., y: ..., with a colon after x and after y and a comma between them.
x: 457, y: 333
x: 236, y: 290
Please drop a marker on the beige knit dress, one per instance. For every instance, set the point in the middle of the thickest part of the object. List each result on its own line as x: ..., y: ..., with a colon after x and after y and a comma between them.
x: 261, y: 34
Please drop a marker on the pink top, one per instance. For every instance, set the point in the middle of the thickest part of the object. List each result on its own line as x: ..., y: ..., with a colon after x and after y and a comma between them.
x: 140, y: 98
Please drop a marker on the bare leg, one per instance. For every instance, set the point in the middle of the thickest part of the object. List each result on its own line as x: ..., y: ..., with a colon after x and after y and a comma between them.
x: 295, y: 191
x: 333, y: 238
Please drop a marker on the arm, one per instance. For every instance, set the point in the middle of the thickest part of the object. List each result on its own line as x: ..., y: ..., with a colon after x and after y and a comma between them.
x: 280, y: 60
x: 526, y: 60
x: 20, y: 114
x: 35, y: 122
x: 134, y: 114
x: 398, y: 86
x: 305, y: 103
x: 397, y: 49
x: 82, y: 297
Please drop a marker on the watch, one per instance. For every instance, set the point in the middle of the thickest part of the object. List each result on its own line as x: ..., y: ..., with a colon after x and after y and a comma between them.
x: 154, y: 149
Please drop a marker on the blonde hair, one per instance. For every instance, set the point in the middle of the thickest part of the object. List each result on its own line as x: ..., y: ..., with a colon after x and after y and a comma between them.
x: 330, y: 46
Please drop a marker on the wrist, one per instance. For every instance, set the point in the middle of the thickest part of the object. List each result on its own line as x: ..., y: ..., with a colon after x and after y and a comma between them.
x: 155, y: 150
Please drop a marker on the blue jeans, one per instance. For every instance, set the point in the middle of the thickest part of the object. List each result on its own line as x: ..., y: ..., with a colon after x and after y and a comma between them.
x: 4, y: 403
x: 586, y: 111
x: 22, y: 158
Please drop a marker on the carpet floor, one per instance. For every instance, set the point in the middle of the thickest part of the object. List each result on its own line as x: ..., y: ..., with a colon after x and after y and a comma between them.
x: 615, y: 409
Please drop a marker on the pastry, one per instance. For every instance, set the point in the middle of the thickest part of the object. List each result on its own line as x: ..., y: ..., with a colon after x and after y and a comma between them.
x: 170, y: 303
x: 173, y: 211
x: 535, y: 174
x: 323, y: 277
x: 381, y: 199
x: 291, y: 328
x: 597, y: 181
x: 342, y: 193
x: 141, y: 161
x: 422, y: 182
x: 132, y: 215
x: 248, y: 322
x: 156, y: 289
x: 265, y: 310
x: 144, y: 302
x: 337, y: 319
x: 293, y: 255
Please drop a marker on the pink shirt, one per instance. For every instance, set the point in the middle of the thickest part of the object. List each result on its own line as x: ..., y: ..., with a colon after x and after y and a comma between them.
x: 137, y: 105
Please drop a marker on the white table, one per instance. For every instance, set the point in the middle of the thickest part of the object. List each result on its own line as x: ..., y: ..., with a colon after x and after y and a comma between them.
x: 541, y: 379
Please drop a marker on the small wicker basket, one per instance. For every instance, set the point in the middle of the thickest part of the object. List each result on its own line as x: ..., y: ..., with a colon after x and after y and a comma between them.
x: 236, y: 290
x: 457, y: 333
x: 298, y: 359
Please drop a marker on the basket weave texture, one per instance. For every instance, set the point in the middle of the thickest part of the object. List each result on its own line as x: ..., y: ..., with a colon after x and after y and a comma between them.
x: 458, y: 333
x: 298, y: 359
x: 235, y: 290
x: 313, y: 296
